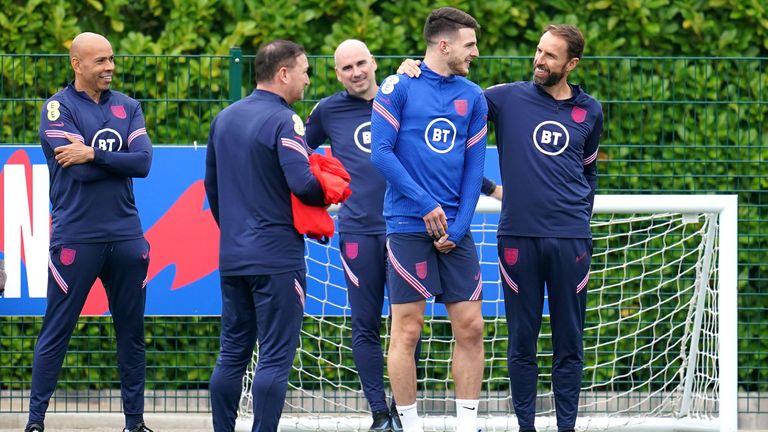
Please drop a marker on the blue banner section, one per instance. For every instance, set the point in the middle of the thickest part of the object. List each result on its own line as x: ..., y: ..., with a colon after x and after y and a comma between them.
x: 183, y: 277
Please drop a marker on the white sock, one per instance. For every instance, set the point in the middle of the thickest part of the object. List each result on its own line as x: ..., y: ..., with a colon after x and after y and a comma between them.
x: 409, y: 417
x: 466, y: 415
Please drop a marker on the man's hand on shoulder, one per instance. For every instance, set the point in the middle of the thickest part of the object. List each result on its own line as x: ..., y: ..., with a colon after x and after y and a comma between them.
x: 74, y: 154
x: 410, y: 67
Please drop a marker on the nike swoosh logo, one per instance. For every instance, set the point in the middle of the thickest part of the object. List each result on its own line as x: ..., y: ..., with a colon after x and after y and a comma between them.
x: 470, y: 408
x: 477, y: 276
x: 145, y: 255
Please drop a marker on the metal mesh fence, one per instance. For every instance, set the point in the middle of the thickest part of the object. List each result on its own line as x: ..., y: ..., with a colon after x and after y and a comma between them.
x: 672, y: 125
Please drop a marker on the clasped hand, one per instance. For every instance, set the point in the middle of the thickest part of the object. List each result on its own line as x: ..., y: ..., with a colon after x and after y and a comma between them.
x: 73, y: 154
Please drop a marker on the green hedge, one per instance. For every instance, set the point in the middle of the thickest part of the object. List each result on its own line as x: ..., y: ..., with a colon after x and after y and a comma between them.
x: 612, y: 27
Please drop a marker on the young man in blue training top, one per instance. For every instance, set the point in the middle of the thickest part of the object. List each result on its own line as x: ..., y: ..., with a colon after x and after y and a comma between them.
x: 256, y: 158
x: 95, y: 143
x: 548, y: 133
x: 429, y: 142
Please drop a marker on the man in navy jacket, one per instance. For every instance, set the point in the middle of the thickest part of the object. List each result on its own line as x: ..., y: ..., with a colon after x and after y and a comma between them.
x: 95, y: 143
x: 345, y: 119
x: 548, y: 133
x: 256, y: 158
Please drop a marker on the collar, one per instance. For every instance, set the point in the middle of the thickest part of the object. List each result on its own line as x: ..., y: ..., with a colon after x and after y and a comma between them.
x: 345, y: 94
x: 426, y: 72
x: 104, y: 98
x: 576, y: 92
x: 269, y: 96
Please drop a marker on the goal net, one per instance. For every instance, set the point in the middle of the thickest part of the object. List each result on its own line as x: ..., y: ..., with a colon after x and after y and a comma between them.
x: 659, y: 341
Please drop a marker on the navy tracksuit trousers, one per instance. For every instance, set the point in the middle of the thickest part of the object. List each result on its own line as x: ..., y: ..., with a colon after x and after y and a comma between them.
x: 527, y: 264
x: 72, y: 271
x: 264, y: 308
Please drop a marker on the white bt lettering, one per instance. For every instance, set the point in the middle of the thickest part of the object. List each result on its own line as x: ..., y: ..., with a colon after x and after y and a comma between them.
x: 551, y: 138
x: 107, y: 139
x: 546, y: 137
x: 440, y: 135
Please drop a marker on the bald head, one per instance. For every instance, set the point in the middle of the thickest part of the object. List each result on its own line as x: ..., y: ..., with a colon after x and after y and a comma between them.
x: 93, y: 61
x: 356, y: 69
x: 350, y: 47
x: 85, y: 42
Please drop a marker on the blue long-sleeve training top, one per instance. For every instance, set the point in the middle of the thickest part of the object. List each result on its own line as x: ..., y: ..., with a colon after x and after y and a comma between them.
x: 548, y: 159
x: 94, y: 202
x: 256, y: 157
x: 428, y: 139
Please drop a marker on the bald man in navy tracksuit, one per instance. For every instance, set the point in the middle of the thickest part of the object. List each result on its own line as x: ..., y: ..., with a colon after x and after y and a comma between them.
x: 256, y: 158
x: 95, y: 143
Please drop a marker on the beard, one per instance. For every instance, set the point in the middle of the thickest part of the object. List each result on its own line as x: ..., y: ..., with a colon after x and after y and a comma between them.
x: 551, y: 79
x: 458, y: 67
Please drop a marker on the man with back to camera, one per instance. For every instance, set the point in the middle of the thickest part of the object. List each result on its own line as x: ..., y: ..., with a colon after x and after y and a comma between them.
x: 548, y: 134
x: 256, y: 158
x: 429, y: 142
x: 95, y: 226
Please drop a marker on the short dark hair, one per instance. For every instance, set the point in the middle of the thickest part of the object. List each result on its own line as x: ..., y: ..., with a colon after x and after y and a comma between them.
x: 573, y: 38
x: 274, y: 55
x: 447, y: 20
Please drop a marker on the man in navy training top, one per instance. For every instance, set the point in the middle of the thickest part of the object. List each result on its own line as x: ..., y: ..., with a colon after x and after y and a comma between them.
x: 345, y: 119
x: 548, y: 133
x: 256, y: 158
x: 95, y: 142
x: 429, y: 142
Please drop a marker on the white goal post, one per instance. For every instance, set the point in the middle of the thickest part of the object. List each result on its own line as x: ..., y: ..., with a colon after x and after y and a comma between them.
x: 660, y: 342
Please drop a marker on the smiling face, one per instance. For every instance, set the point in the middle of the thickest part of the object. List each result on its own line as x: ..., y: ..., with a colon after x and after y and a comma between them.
x: 356, y: 69
x: 462, y: 50
x: 93, y: 62
x: 551, y: 63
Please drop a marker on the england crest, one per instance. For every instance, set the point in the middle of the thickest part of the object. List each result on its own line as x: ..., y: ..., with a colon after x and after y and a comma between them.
x: 351, y: 249
x: 421, y: 269
x: 119, y: 111
x: 67, y: 256
x: 510, y: 256
x: 461, y: 106
x: 578, y: 114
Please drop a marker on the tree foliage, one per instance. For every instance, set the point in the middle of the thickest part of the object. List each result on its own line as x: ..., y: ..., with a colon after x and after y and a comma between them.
x: 612, y: 27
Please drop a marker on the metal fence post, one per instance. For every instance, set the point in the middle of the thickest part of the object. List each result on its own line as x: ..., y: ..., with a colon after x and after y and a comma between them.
x: 235, y: 74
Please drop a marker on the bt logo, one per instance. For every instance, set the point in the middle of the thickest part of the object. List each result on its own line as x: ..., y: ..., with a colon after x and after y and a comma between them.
x: 551, y: 138
x: 107, y: 139
x: 440, y: 135
x: 363, y: 137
